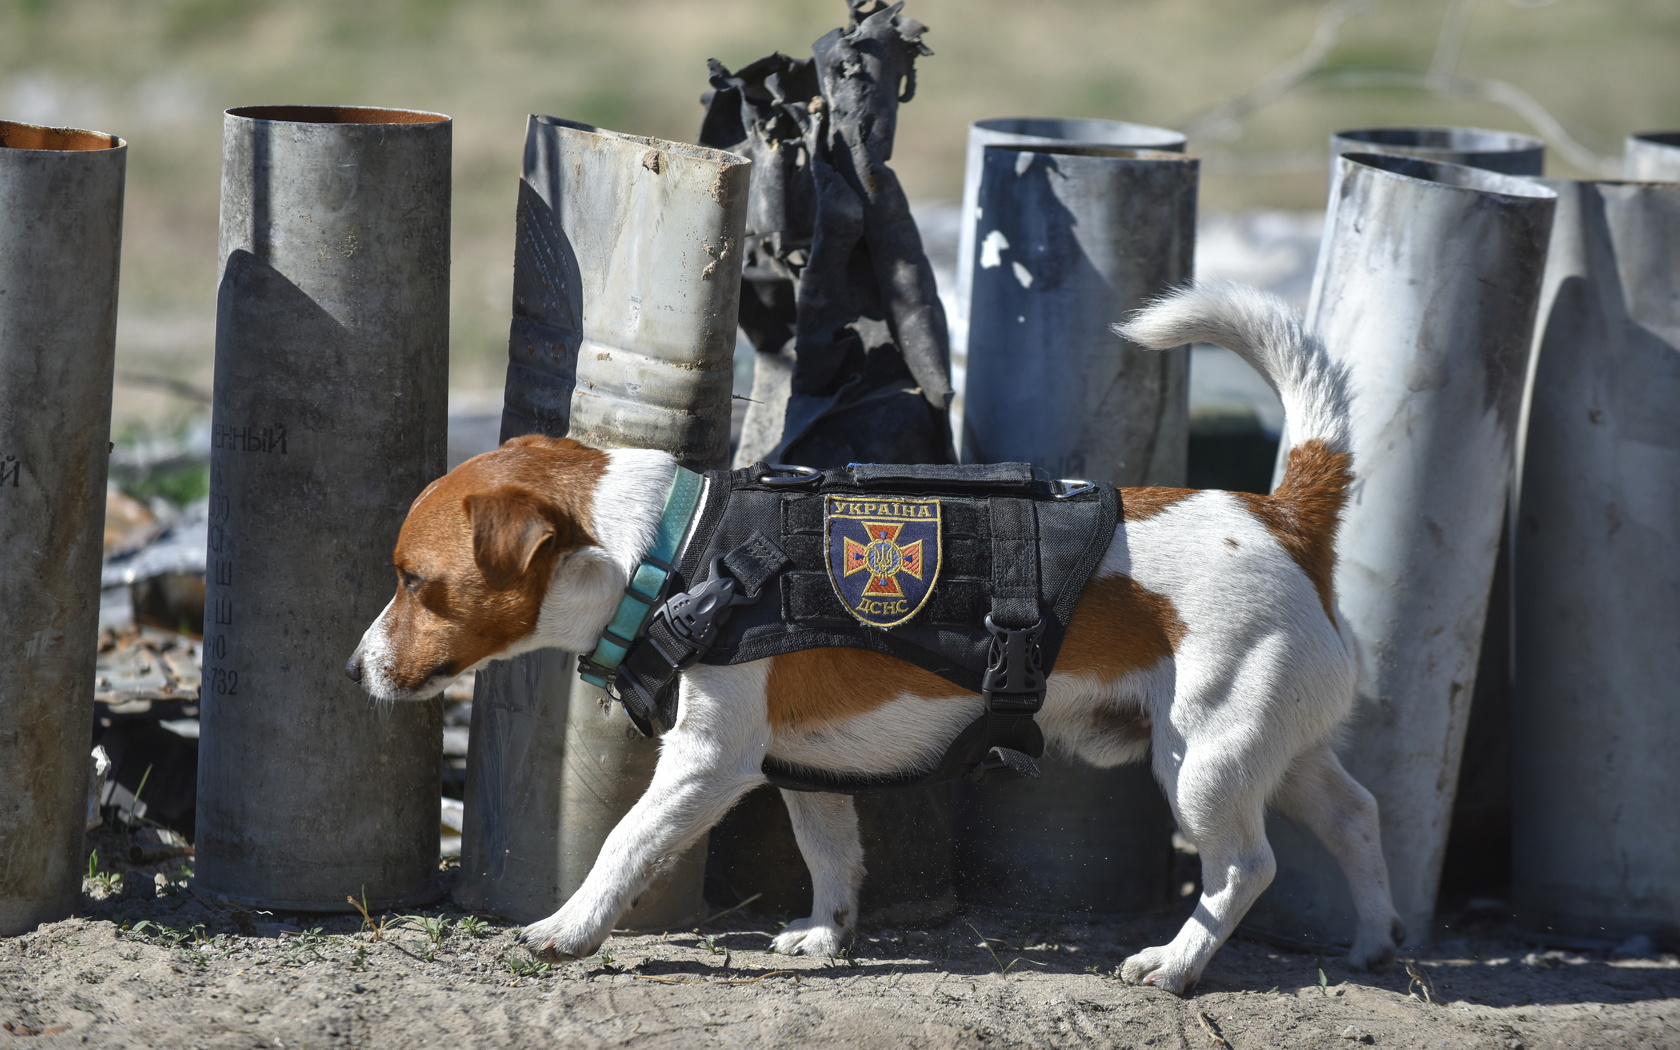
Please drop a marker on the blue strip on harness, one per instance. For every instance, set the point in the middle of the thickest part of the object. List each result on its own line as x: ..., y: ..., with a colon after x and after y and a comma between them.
x: 647, y: 583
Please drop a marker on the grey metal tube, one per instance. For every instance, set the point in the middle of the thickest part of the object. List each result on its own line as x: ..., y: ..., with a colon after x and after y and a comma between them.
x: 1652, y: 156
x: 61, y: 201
x: 626, y: 286
x: 330, y: 416
x: 1596, y: 576
x: 1426, y: 291
x: 1506, y: 152
x: 1483, y: 803
x: 510, y: 843
x: 1072, y: 238
x: 1032, y: 131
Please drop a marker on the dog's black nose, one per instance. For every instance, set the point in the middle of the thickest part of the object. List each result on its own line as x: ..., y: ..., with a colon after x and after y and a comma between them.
x: 354, y: 668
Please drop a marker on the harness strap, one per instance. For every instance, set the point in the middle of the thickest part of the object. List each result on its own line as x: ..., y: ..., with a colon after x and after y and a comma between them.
x: 1014, y: 562
x: 644, y: 680
x: 1013, y: 686
x: 682, y: 631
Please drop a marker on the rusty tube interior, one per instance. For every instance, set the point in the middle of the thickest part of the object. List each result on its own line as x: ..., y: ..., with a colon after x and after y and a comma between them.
x: 337, y: 115
x: 14, y: 135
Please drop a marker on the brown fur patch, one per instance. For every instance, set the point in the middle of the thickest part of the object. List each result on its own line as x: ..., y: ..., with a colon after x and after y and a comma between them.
x: 1124, y: 722
x: 815, y: 686
x: 510, y: 525
x: 1305, y: 511
x: 1118, y: 628
x: 446, y: 616
x: 1139, y: 504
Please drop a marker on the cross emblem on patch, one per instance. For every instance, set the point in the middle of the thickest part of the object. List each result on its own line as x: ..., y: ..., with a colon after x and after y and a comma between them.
x: 883, y: 555
x: 883, y: 559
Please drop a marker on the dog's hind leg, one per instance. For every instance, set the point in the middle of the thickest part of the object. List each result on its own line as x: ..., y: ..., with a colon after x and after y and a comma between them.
x: 1319, y: 793
x: 1220, y: 806
x: 827, y: 831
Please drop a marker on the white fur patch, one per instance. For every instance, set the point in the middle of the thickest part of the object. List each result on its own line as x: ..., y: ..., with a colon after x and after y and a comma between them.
x: 900, y: 736
x: 589, y: 583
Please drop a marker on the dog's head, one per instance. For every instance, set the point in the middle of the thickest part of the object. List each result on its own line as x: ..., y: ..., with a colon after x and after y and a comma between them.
x: 479, y: 560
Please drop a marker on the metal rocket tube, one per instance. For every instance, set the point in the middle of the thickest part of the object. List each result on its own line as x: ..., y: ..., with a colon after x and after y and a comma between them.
x: 1426, y: 291
x: 61, y: 205
x: 330, y: 416
x: 1652, y: 156
x: 1596, y: 572
x: 626, y: 285
x: 1031, y: 131
x: 1072, y: 237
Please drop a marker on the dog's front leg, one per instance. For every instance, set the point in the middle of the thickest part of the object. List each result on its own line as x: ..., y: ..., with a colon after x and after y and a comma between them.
x: 677, y: 809
x: 706, y: 763
x: 826, y: 829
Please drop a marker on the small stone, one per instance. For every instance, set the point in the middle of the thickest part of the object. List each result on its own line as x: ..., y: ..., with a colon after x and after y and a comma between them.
x: 1356, y: 1034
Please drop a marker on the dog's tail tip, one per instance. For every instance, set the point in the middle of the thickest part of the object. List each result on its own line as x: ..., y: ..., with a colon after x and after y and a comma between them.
x: 1267, y: 333
x: 1198, y: 311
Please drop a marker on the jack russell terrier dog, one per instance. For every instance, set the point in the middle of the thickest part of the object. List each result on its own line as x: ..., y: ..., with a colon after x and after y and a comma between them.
x: 1207, y: 639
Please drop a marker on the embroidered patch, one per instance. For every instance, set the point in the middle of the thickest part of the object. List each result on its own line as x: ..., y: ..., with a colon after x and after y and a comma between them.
x: 883, y: 555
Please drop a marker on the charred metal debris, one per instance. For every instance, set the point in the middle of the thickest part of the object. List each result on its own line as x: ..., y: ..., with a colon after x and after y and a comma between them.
x: 836, y: 286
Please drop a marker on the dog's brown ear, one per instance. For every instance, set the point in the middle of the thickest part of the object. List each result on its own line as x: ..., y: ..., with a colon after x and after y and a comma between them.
x: 510, y: 525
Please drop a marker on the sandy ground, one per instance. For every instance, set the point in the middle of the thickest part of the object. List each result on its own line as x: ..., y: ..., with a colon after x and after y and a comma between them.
x: 149, y: 964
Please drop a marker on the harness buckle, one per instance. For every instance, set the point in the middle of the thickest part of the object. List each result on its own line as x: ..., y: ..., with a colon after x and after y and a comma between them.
x: 1014, y: 678
x: 695, y: 615
x: 1068, y: 488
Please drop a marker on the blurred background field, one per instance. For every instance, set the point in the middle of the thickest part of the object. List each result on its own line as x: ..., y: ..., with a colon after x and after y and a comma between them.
x: 160, y: 72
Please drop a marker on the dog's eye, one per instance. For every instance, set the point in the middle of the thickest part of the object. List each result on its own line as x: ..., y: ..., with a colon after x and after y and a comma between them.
x: 409, y: 580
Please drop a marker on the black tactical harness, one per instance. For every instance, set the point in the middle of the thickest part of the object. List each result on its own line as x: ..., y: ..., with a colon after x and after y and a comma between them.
x: 1009, y: 558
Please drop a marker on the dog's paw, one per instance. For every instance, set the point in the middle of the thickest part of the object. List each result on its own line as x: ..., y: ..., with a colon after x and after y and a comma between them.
x: 1161, y: 968
x: 809, y: 937
x: 1376, y: 953
x: 550, y: 941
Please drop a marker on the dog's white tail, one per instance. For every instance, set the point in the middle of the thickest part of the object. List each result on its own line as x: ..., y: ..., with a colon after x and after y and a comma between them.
x: 1268, y: 334
x: 1306, y: 506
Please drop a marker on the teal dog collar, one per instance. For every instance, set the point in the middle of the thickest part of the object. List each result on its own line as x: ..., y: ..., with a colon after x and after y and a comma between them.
x: 647, y: 583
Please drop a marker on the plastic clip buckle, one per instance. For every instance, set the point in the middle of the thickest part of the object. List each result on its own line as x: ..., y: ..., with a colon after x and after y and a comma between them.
x: 1014, y: 679
x: 694, y: 616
